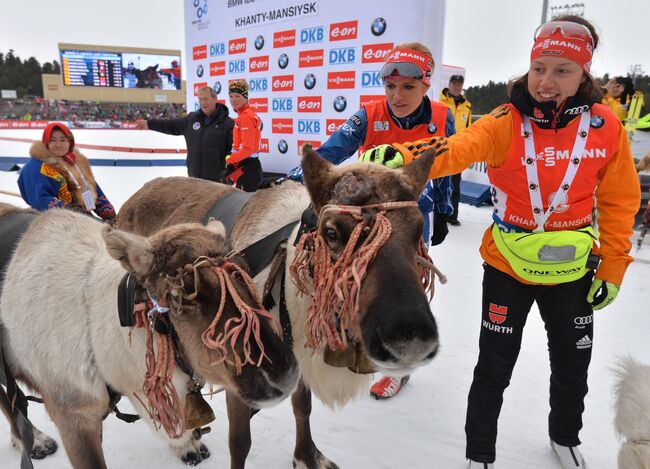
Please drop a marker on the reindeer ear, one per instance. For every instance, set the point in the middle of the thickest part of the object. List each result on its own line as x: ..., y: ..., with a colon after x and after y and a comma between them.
x: 319, y: 177
x: 418, y: 171
x: 134, y: 252
x: 216, y: 227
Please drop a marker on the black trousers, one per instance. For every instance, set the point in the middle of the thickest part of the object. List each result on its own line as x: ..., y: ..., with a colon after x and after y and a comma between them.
x: 455, y: 196
x: 252, y: 175
x: 568, y: 320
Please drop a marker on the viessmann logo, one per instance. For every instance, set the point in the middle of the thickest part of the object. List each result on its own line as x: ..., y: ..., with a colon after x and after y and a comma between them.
x: 284, y: 38
x: 258, y: 64
x: 259, y: 104
x: 309, y: 104
x: 282, y: 126
x: 375, y: 53
x: 311, y: 58
x: 200, y: 52
x: 282, y: 83
x: 340, y: 80
x: 343, y: 31
x: 237, y: 46
x: 217, y: 68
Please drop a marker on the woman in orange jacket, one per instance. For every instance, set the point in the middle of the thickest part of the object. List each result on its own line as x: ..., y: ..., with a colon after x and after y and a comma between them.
x: 243, y: 166
x: 550, y: 152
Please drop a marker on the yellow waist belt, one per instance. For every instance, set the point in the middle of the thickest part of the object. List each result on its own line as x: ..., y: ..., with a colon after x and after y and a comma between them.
x: 549, y: 256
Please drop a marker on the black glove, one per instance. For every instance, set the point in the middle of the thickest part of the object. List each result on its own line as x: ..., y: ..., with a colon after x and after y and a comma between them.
x: 271, y: 181
x: 440, y: 228
x: 229, y: 170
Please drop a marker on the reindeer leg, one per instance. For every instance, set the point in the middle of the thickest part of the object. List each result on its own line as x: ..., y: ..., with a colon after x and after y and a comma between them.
x: 306, y: 455
x: 81, y: 432
x: 239, y: 430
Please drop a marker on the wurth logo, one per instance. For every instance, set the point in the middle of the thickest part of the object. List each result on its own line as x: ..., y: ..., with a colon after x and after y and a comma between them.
x: 284, y: 38
x: 497, y: 313
x: 282, y: 126
x: 217, y: 68
x: 258, y: 64
x: 375, y: 53
x: 340, y: 80
x: 309, y: 104
x: 311, y: 58
x: 259, y: 104
x: 332, y: 124
x: 343, y: 31
x: 282, y: 83
x: 237, y: 46
x: 200, y: 52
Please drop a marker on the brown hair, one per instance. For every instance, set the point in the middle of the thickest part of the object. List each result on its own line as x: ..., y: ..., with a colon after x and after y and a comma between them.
x: 589, y: 89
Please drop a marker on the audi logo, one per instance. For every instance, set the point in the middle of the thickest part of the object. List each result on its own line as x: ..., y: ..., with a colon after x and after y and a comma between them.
x: 583, y: 320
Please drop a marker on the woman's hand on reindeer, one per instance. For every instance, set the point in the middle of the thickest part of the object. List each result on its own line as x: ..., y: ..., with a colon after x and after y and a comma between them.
x: 601, y: 294
x: 386, y: 155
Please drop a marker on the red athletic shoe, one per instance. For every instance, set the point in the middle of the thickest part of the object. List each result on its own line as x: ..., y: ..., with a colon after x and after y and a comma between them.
x: 388, y: 386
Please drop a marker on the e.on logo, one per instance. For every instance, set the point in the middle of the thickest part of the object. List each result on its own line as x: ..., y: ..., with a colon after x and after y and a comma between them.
x: 311, y: 58
x: 282, y: 83
x: 237, y: 46
x: 340, y: 80
x: 332, y: 124
x: 370, y: 98
x: 259, y: 105
x: 200, y: 52
x: 258, y: 64
x: 309, y: 104
x: 282, y: 126
x: 343, y: 31
x: 198, y: 86
x: 217, y: 68
x: 284, y: 38
x: 374, y: 53
x: 264, y: 144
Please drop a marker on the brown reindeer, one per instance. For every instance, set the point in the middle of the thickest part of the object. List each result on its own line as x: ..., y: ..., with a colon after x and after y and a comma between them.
x: 357, y: 284
x: 62, y: 337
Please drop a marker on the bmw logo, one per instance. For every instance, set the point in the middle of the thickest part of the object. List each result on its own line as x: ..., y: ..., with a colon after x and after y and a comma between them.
x: 259, y: 42
x: 340, y: 103
x: 217, y: 87
x: 378, y: 27
x: 310, y: 81
x: 432, y: 128
x: 283, y: 146
x: 199, y: 71
x: 283, y: 61
x: 597, y: 122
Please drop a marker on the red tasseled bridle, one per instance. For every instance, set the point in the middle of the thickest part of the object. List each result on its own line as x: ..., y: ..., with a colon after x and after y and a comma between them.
x: 335, y: 286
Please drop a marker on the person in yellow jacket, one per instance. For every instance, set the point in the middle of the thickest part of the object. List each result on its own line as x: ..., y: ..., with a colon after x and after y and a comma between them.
x: 461, y: 108
x: 619, y: 92
x: 551, y: 152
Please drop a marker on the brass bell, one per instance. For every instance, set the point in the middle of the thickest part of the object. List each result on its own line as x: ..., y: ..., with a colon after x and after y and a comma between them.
x: 197, y: 411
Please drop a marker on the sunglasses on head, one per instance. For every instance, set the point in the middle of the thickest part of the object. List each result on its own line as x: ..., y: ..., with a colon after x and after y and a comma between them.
x: 568, y: 29
x: 401, y: 69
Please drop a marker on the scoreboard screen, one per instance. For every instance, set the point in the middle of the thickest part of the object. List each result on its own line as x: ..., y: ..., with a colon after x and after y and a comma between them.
x: 120, y: 70
x: 91, y: 68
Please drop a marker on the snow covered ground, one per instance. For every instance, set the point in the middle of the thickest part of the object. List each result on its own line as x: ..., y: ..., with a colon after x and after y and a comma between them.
x: 423, y: 426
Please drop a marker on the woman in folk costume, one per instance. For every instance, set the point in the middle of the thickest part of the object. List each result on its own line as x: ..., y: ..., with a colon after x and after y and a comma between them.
x: 551, y: 152
x: 57, y: 175
x: 243, y: 166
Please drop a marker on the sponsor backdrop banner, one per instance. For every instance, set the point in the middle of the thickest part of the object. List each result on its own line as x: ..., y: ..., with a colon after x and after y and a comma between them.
x: 310, y: 64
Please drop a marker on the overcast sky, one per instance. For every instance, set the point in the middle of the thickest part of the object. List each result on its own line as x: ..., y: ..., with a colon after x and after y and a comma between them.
x: 480, y: 35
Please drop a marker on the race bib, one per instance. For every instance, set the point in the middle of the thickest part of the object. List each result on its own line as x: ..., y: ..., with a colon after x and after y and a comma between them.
x: 88, y: 200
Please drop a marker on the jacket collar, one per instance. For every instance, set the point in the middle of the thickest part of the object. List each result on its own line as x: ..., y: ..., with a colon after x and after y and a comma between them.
x: 545, y: 114
x: 219, y: 114
x: 40, y: 152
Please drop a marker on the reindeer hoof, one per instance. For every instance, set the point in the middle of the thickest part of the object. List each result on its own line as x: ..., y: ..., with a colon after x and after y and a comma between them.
x: 316, y: 461
x: 43, y: 448
x: 193, y: 458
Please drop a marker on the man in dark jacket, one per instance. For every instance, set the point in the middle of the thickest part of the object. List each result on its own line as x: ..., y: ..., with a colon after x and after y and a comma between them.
x: 208, y: 135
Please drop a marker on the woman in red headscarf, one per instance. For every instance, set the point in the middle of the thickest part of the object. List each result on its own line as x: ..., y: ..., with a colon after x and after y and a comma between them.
x: 57, y: 175
x: 550, y: 152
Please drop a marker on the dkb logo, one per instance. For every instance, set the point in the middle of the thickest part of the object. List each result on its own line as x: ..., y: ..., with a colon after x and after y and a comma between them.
x: 237, y: 66
x: 342, y: 56
x: 311, y: 35
x: 258, y: 84
x: 282, y: 105
x: 371, y: 80
x: 309, y: 126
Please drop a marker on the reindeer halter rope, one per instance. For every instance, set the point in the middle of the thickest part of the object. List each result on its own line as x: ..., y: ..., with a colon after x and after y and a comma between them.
x: 337, y: 285
x: 163, y: 404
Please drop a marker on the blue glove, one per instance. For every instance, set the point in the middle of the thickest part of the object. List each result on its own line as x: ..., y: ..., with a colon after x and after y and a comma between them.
x: 296, y: 174
x: 601, y: 294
